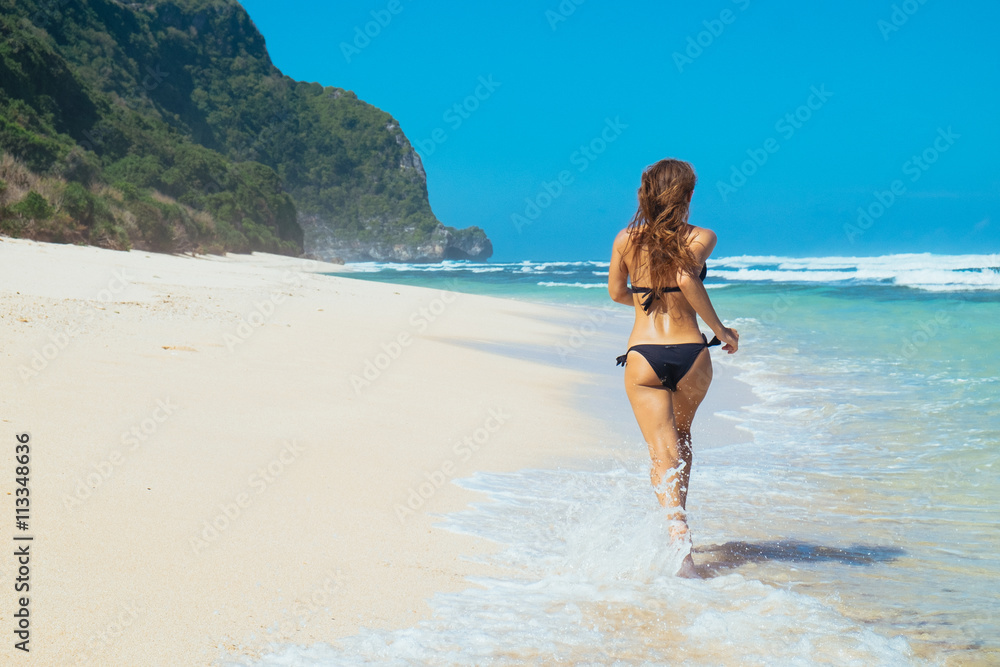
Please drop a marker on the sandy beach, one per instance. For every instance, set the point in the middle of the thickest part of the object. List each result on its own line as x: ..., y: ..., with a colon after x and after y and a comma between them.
x: 232, y: 451
x: 356, y: 401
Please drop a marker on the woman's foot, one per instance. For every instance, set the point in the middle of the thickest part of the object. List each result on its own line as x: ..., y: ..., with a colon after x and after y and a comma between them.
x: 687, y: 569
x: 680, y: 533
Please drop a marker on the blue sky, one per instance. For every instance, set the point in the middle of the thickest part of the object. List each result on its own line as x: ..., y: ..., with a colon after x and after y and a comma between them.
x: 797, y: 116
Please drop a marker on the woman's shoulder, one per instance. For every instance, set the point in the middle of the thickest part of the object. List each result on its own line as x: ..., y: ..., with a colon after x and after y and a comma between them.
x: 702, y: 236
x: 622, y: 238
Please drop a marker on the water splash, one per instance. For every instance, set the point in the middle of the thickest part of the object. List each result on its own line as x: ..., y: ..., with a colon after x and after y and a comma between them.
x: 593, y: 562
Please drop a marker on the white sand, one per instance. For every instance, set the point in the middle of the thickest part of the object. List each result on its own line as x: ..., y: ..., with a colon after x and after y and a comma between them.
x: 206, y: 476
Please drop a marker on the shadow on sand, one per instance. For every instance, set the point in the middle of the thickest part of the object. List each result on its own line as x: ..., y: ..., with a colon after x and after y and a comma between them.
x: 719, y: 559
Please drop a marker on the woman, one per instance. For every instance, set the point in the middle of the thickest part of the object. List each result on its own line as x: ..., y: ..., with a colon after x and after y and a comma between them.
x: 667, y: 365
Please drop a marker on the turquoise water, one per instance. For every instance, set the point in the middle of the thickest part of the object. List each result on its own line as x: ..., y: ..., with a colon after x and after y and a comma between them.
x: 857, y: 526
x: 881, y: 404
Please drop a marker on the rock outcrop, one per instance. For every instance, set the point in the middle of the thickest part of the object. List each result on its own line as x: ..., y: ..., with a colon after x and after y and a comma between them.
x: 322, y: 241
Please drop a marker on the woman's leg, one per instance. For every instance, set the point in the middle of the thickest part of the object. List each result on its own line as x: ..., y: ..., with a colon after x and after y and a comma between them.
x: 665, y: 418
x: 652, y: 404
x: 690, y: 393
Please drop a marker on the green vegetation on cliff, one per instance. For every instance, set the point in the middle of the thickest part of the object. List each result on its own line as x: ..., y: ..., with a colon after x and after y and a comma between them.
x: 165, y: 125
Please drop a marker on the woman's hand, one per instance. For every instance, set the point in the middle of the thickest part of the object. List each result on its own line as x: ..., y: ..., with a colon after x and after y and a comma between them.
x: 730, y: 339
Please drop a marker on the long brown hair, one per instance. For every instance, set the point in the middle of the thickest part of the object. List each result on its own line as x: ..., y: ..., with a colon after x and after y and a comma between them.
x: 660, y: 223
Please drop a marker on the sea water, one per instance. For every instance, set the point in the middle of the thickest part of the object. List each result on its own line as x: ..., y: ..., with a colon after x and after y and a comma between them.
x: 856, y: 526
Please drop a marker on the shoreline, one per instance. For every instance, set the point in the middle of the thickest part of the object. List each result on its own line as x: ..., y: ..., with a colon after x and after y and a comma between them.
x: 221, y: 442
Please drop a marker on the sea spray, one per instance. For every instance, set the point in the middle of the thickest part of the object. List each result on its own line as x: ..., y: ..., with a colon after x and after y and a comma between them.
x: 590, y: 562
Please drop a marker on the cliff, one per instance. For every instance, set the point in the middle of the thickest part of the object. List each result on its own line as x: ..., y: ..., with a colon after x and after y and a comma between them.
x: 165, y: 125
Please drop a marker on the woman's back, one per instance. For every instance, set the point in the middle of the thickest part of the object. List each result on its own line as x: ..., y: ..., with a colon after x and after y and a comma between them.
x: 664, y: 315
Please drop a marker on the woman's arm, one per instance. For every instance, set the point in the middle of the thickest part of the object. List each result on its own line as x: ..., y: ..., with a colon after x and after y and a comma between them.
x: 617, y: 275
x: 694, y: 291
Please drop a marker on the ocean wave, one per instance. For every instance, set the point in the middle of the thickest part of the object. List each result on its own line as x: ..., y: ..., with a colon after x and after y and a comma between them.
x: 936, y: 279
x: 754, y: 275
x: 926, y: 271
x: 920, y: 271
x: 925, y: 279
x: 447, y: 265
x: 897, y: 262
x: 583, y: 285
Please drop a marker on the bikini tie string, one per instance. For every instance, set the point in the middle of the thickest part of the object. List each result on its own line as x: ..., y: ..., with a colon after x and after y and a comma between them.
x: 647, y: 303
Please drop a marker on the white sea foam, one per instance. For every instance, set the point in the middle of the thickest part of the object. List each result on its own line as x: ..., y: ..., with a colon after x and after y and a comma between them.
x: 583, y: 285
x: 592, y: 583
x: 753, y: 275
x: 898, y: 261
x: 927, y: 272
x: 922, y: 271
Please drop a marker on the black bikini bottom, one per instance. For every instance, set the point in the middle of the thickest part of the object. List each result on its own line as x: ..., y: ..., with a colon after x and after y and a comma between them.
x: 670, y: 362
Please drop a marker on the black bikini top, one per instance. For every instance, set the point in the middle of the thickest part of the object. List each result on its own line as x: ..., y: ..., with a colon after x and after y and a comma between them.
x: 647, y: 303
